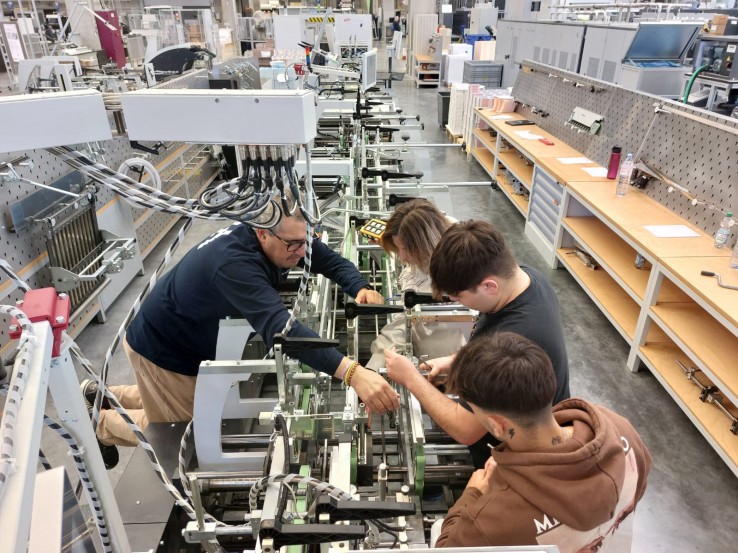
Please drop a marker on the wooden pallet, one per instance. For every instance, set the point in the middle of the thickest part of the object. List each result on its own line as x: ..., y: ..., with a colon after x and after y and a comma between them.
x: 455, y: 138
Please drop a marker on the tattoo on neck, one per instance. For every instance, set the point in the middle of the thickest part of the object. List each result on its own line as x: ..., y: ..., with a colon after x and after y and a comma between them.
x: 556, y: 440
x: 511, y: 432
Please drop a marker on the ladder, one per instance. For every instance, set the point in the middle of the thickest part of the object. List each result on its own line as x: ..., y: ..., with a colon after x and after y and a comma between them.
x: 8, y: 63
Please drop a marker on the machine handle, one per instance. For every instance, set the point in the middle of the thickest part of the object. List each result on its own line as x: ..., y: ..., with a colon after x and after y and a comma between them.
x: 366, y: 172
x: 411, y: 298
x: 353, y: 309
x: 397, y: 199
x: 340, y: 509
x: 292, y: 344
x: 308, y: 534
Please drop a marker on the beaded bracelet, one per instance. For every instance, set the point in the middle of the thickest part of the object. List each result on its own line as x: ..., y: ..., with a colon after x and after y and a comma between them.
x: 348, y: 375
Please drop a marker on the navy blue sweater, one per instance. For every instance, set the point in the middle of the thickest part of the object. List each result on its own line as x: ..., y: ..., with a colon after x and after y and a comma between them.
x: 227, y: 274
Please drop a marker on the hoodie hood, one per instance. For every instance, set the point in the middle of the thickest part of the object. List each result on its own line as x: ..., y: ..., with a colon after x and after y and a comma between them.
x: 588, y: 465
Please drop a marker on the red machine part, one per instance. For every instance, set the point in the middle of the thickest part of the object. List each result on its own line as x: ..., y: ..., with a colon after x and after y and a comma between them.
x: 44, y: 304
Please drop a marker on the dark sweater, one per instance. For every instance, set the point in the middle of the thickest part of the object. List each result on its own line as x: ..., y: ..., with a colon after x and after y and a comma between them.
x: 227, y: 274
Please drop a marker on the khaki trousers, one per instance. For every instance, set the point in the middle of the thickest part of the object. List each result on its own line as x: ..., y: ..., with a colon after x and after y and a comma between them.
x: 159, y: 396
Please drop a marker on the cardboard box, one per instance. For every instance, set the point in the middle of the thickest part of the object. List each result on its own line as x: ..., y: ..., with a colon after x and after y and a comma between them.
x: 724, y: 25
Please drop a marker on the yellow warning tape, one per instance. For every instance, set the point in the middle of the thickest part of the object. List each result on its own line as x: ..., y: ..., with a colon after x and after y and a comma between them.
x: 320, y: 20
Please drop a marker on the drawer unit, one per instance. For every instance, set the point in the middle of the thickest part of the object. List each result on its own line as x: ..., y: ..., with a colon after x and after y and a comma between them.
x: 544, y: 214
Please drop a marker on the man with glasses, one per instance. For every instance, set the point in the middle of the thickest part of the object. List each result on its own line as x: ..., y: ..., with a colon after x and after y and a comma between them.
x: 233, y: 273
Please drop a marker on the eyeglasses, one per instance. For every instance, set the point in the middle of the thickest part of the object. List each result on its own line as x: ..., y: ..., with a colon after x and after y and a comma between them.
x: 292, y: 245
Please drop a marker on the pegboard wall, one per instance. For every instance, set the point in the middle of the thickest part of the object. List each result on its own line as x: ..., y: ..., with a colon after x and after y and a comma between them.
x: 699, y: 157
x: 184, y: 170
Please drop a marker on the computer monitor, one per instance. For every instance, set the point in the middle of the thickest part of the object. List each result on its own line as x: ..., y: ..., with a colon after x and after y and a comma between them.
x: 368, y: 69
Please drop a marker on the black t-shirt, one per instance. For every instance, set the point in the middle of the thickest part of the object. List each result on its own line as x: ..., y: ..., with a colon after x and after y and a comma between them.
x: 535, y: 315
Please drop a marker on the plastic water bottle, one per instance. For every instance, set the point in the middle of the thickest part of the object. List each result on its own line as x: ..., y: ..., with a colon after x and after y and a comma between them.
x: 723, y: 233
x: 626, y: 170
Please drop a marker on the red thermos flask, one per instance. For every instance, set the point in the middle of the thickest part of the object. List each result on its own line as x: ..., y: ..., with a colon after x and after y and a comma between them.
x: 614, y: 164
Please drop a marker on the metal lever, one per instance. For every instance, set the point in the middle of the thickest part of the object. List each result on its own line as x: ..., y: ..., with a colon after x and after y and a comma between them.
x: 397, y: 199
x: 353, y: 309
x: 385, y: 174
x: 382, y: 128
x: 720, y: 282
x: 339, y: 509
x: 292, y: 344
x: 309, y: 534
x: 411, y: 298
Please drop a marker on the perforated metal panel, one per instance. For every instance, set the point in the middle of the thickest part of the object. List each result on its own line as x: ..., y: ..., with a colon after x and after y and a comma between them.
x: 701, y: 158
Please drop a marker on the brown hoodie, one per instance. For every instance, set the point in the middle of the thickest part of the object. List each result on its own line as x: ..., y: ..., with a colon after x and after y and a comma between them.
x: 576, y: 495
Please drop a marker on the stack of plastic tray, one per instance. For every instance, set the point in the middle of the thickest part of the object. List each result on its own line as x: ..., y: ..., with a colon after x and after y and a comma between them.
x: 487, y: 73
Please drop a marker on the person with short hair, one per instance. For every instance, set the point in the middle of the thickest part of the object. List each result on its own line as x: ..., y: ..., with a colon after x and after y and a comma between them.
x: 233, y: 273
x: 568, y: 475
x: 473, y: 265
x: 411, y: 234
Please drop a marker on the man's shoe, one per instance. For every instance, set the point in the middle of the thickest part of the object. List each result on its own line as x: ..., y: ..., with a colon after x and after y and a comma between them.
x: 89, y: 390
x: 109, y: 453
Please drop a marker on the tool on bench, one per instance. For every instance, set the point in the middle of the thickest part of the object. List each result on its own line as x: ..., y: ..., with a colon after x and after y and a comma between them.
x: 720, y: 282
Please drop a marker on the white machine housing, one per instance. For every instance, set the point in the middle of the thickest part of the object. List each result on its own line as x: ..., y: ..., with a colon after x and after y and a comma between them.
x: 368, y: 69
x: 48, y: 119
x: 221, y: 116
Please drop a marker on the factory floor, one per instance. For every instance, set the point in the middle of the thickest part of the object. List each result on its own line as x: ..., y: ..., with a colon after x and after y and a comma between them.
x: 691, y: 503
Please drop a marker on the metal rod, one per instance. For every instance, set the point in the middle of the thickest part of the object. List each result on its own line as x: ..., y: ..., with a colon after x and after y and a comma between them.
x: 409, y: 145
x: 197, y: 503
x: 722, y: 126
x: 227, y: 485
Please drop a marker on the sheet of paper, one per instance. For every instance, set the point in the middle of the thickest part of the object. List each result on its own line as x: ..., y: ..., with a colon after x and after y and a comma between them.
x: 527, y: 135
x: 574, y: 160
x: 499, y: 117
x: 595, y: 171
x: 671, y: 231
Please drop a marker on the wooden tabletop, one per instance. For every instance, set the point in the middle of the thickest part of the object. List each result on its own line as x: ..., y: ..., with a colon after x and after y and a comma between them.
x: 530, y: 146
x: 565, y: 173
x: 688, y: 269
x: 487, y: 113
x: 632, y: 212
x: 424, y: 58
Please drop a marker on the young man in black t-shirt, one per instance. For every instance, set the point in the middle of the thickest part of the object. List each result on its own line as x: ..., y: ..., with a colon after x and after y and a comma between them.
x: 472, y: 265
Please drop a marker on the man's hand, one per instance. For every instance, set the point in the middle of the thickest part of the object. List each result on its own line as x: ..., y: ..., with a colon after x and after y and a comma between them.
x: 438, y: 367
x: 481, y: 478
x: 369, y: 296
x: 374, y: 391
x: 399, y: 368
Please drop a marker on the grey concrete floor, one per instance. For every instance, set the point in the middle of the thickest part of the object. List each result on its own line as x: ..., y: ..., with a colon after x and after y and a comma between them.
x: 691, y: 503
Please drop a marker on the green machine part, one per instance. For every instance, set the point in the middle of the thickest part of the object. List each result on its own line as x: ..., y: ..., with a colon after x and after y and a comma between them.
x: 354, y: 463
x: 419, y: 469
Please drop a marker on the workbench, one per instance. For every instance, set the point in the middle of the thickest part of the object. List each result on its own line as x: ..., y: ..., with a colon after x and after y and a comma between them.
x: 665, y: 310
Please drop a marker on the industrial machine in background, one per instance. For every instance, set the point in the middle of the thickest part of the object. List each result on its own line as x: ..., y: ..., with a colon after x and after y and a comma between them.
x: 713, y: 84
x: 281, y: 455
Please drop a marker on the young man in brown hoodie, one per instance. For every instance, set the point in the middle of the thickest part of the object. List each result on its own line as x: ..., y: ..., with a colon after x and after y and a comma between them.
x: 568, y: 475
